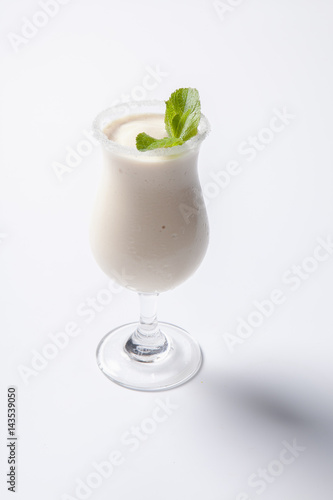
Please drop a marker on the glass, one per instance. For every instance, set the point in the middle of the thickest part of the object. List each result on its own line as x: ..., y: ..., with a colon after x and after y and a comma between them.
x: 149, y: 232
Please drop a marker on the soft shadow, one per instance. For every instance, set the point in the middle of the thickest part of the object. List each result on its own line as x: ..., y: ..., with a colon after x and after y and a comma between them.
x: 278, y: 402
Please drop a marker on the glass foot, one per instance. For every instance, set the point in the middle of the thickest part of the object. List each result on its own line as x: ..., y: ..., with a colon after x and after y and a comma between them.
x: 177, y: 364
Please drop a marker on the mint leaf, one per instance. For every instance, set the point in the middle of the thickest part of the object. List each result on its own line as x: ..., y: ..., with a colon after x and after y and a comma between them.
x: 183, y: 112
x: 182, y: 117
x: 145, y: 142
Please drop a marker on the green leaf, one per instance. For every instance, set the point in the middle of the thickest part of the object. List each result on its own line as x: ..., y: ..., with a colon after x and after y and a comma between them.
x: 145, y: 142
x: 183, y: 112
x: 182, y: 117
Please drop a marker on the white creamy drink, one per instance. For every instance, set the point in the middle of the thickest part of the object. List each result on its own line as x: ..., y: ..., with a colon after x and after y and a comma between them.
x: 149, y: 229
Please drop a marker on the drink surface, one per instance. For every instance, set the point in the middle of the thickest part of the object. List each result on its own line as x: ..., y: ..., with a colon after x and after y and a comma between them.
x: 124, y: 130
x: 149, y: 229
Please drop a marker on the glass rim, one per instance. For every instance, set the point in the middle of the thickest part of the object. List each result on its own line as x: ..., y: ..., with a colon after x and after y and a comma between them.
x: 121, y: 110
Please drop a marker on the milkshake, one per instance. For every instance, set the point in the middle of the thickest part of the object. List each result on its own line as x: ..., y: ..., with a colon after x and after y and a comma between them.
x: 149, y: 229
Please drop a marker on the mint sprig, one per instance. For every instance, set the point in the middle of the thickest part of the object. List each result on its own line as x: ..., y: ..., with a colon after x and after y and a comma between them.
x: 145, y: 142
x: 182, y: 117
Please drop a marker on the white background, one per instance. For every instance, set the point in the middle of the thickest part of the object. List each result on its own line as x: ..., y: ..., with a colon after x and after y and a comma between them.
x: 233, y: 418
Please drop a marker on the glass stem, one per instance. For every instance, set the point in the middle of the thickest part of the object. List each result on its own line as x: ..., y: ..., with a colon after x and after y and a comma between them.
x: 147, y: 343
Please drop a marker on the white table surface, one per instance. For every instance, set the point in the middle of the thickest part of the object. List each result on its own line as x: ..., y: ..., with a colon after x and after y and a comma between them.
x: 276, y: 387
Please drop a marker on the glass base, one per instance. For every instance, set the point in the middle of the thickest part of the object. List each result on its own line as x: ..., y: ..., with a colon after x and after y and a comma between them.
x: 179, y: 364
